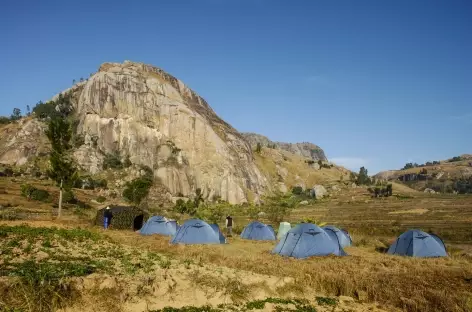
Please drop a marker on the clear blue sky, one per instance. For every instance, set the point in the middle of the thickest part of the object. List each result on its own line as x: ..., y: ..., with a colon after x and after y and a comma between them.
x: 374, y: 83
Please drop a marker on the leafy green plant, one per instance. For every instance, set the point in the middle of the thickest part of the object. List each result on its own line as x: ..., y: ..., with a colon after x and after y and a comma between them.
x: 69, y: 197
x: 297, y: 190
x: 34, y: 193
x: 137, y: 189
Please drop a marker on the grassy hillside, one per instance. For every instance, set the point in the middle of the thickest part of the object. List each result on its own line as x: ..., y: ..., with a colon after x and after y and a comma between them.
x: 448, y: 176
x: 283, y: 167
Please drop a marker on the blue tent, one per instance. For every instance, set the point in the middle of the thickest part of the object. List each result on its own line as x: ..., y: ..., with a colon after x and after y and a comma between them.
x: 159, y: 225
x: 196, y: 231
x: 340, y: 235
x: 217, y: 230
x: 306, y: 240
x: 416, y: 243
x: 258, y: 231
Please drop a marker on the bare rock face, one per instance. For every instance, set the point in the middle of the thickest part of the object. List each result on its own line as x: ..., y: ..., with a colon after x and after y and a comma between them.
x: 21, y: 141
x: 305, y: 149
x: 145, y: 114
x: 319, y: 191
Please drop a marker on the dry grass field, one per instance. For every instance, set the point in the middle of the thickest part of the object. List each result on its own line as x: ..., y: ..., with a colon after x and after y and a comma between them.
x: 44, y: 268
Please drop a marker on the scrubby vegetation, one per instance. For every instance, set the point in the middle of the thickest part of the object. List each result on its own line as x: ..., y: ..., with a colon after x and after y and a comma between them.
x: 113, y: 161
x: 34, y: 193
x: 138, y: 189
x: 381, y: 190
x: 455, y: 158
x: 88, y: 183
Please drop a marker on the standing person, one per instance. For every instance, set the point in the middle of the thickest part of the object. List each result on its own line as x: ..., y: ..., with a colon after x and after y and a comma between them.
x: 107, y: 215
x: 229, y: 226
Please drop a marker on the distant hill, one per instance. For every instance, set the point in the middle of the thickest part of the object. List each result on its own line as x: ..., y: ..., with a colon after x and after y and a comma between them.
x: 445, y: 176
x: 304, y: 149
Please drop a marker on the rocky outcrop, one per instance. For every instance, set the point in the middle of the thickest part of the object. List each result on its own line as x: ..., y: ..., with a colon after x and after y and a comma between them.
x: 145, y: 114
x: 22, y: 141
x: 305, y: 149
x: 318, y: 192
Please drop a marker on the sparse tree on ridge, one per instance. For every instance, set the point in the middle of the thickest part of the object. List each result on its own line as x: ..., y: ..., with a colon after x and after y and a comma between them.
x: 16, y: 114
x: 363, y: 177
x: 258, y: 148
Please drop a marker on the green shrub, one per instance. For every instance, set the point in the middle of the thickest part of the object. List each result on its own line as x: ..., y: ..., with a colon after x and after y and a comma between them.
x: 277, y: 213
x: 455, y: 158
x: 4, y: 120
x: 213, y: 213
x: 69, y: 197
x: 88, y: 183
x: 45, y: 110
x: 137, y: 189
x: 127, y: 163
x: 185, y: 207
x: 33, y: 193
x: 297, y: 190
x: 101, y: 199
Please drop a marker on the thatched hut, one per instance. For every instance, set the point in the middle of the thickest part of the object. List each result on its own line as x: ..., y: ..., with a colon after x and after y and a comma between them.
x: 124, y: 217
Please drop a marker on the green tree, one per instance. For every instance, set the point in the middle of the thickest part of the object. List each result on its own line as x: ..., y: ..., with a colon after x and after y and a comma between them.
x: 63, y: 169
x: 363, y: 177
x: 258, y: 148
x: 16, y: 114
x: 137, y: 189
x: 4, y: 120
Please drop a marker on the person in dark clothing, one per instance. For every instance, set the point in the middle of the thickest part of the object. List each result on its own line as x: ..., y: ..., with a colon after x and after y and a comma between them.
x: 107, y: 215
x: 229, y: 226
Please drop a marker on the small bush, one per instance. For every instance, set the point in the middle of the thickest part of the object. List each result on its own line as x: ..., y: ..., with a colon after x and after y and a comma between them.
x: 101, y: 199
x: 297, y: 190
x: 4, y: 120
x: 33, y: 193
x: 68, y: 197
x: 89, y: 183
x: 127, y: 163
x: 137, y: 189
x: 455, y: 158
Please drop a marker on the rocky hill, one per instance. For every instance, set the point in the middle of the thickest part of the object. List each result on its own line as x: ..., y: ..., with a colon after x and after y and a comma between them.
x: 445, y: 176
x: 304, y: 149
x: 141, y: 113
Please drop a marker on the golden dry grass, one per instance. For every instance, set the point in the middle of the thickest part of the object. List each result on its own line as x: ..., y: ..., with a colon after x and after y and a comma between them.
x: 405, y: 283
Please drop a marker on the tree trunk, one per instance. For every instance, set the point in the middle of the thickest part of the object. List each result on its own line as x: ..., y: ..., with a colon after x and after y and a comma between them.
x: 59, y: 211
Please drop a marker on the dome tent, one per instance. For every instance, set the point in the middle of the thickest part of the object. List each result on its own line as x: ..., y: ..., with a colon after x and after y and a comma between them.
x: 217, y: 230
x: 124, y: 217
x: 258, y: 231
x: 284, y: 227
x: 306, y: 240
x: 342, y: 236
x: 196, y: 231
x: 159, y: 225
x: 416, y: 243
